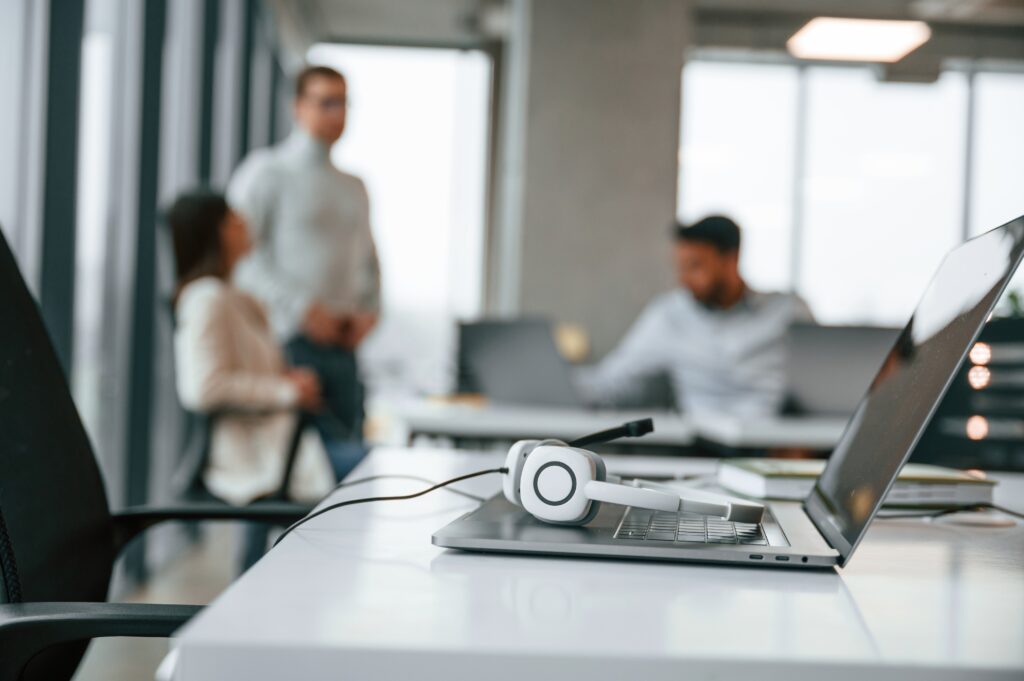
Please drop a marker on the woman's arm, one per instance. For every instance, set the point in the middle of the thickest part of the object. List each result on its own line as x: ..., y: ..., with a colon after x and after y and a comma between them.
x: 207, y: 373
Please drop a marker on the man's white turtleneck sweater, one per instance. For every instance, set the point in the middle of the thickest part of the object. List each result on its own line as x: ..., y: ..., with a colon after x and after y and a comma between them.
x: 310, y: 227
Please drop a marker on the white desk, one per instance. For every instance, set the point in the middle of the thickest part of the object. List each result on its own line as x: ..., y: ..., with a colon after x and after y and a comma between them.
x: 361, y: 593
x: 494, y: 422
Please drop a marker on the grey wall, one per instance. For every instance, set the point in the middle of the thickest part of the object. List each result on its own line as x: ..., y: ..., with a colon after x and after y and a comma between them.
x: 589, y: 161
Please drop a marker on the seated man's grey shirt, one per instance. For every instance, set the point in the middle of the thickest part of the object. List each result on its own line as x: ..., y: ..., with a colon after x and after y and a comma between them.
x: 723, y: 361
x: 310, y: 227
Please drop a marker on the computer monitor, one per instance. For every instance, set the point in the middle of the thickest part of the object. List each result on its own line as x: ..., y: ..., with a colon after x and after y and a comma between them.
x: 829, y: 368
x: 514, y: 362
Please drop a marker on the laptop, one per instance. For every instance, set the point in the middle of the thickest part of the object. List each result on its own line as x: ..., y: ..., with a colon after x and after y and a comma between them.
x: 828, y: 368
x: 515, y: 362
x: 824, y: 529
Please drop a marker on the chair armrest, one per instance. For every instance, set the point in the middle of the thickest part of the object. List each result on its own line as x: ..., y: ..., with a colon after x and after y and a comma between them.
x: 27, y: 629
x: 130, y: 522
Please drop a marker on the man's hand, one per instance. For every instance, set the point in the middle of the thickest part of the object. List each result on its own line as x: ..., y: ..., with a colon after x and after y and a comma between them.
x: 355, y: 327
x: 307, y: 385
x: 321, y: 326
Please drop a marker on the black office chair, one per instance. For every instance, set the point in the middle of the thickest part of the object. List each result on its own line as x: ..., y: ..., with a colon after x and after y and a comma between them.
x: 58, y: 537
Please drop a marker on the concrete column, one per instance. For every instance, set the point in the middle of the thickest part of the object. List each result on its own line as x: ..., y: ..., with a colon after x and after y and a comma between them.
x: 589, y: 160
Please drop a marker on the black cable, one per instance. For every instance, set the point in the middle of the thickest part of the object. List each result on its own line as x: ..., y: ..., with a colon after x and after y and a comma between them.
x: 371, y: 478
x: 367, y: 500
x: 949, y: 511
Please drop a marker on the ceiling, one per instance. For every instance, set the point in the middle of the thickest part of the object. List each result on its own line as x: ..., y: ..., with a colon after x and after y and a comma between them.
x: 1002, y: 13
x: 966, y: 29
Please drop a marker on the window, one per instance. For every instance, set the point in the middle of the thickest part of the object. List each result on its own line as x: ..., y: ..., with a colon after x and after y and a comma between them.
x: 417, y: 135
x: 998, y: 171
x: 94, y: 168
x: 738, y: 159
x: 23, y: 31
x: 850, y: 190
x: 12, y: 67
x: 883, y: 191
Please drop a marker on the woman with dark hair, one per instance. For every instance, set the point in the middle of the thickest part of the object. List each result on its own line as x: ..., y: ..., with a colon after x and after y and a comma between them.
x: 229, y: 361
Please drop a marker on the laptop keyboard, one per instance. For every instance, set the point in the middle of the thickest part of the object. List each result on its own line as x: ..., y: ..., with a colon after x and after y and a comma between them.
x: 663, y: 526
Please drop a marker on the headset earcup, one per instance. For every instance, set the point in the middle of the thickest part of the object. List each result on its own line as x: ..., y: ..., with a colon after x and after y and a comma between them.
x: 514, y: 461
x: 600, y: 473
x: 595, y: 508
x: 552, y: 482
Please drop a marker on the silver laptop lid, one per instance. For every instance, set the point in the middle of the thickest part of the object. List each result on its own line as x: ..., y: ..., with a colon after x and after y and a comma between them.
x: 905, y: 392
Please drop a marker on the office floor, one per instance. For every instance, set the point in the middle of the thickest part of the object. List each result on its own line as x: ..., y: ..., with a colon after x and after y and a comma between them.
x: 197, y: 577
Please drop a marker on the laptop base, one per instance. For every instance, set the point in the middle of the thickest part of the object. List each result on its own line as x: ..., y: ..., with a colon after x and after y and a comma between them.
x: 498, y: 526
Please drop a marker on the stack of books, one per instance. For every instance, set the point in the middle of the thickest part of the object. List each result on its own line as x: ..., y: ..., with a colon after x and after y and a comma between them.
x: 918, y: 484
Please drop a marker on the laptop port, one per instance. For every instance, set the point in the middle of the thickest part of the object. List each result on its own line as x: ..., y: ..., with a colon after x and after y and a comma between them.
x: 755, y: 556
x: 782, y: 558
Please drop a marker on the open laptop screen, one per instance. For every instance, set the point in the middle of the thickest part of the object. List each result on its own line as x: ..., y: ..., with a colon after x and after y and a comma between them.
x: 904, y: 394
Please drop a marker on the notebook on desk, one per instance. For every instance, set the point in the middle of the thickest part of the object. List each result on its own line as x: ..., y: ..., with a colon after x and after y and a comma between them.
x: 917, y: 484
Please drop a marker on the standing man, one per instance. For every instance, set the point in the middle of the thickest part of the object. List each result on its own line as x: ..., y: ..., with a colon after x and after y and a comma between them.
x: 314, y: 263
x: 721, y: 343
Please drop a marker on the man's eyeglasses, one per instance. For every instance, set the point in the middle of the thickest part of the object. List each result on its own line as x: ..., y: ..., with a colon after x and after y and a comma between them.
x: 329, y: 104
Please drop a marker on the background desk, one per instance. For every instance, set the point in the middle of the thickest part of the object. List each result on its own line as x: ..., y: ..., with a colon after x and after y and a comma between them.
x: 411, y: 418
x: 784, y: 432
x: 361, y: 593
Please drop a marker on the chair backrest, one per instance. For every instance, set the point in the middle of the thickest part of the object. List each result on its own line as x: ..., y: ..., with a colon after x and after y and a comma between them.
x: 56, y: 534
x: 187, y: 482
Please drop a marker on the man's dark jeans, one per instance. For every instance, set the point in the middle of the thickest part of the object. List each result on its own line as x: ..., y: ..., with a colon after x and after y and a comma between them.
x: 341, y: 418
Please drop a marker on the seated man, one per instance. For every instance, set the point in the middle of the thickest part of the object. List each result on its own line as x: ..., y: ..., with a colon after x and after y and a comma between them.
x: 720, y: 342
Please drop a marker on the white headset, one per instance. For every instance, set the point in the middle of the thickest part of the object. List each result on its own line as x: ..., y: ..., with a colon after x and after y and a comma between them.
x: 564, y: 484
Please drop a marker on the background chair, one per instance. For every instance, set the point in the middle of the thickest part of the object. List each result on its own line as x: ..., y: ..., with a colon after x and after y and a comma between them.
x: 58, y: 537
x: 188, y: 482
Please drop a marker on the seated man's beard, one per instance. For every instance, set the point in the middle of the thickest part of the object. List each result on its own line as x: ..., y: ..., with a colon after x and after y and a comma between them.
x: 712, y: 299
